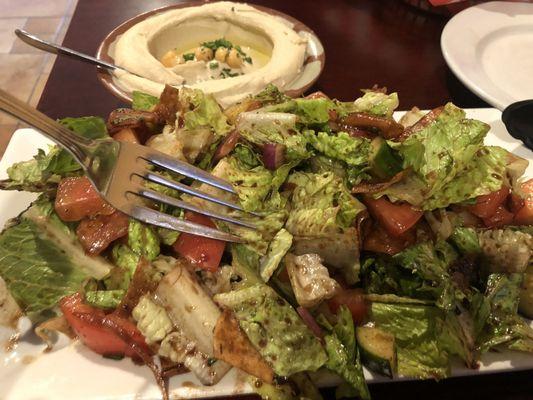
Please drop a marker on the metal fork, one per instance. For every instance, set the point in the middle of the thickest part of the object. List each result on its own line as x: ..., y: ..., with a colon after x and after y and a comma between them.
x: 119, y: 171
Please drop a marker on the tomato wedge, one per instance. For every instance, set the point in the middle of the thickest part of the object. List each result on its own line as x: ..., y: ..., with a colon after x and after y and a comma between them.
x: 379, y: 240
x: 108, y: 335
x: 487, y: 204
x: 501, y: 217
x: 95, y: 234
x: 395, y: 218
x: 524, y: 216
x: 355, y: 301
x: 203, y: 252
x: 76, y: 199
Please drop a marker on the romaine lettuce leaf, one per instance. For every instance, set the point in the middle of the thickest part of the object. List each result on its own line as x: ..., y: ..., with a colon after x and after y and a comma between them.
x: 343, y: 357
x: 431, y: 262
x: 375, y: 103
x: 278, y: 247
x: 45, y: 170
x: 271, y: 95
x: 416, y: 329
x: 37, y: 271
x: 275, y: 329
x: 353, y: 151
x: 205, y: 112
x: 143, y: 240
x: 152, y: 320
x: 107, y: 299
x: 260, y: 128
x: 143, y: 101
x: 321, y: 205
x: 450, y: 164
x: 87, y: 127
x: 503, y: 326
x: 42, y: 173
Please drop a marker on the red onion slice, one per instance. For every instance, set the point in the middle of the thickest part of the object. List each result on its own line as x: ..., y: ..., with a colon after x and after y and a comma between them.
x: 310, y: 322
x: 273, y: 155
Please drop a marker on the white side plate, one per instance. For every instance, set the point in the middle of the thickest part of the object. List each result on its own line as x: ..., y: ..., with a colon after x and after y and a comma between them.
x: 71, y: 371
x: 489, y: 47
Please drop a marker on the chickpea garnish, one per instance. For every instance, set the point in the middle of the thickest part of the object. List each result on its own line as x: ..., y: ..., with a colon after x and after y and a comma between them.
x: 221, y: 54
x: 203, y: 53
x: 234, y: 60
x: 171, y: 59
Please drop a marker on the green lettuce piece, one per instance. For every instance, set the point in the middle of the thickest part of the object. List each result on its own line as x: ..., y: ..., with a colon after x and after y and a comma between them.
x: 126, y: 261
x: 466, y: 240
x: 271, y: 95
x: 308, y: 111
x: 107, y: 299
x: 38, y: 271
x: 42, y: 173
x: 246, y: 156
x: 278, y: 247
x: 450, y: 164
x: 420, y: 351
x: 375, y: 103
x: 275, y: 329
x: 314, y: 111
x: 205, y: 112
x: 45, y: 170
x: 503, y: 326
x: 143, y: 101
x: 259, y: 128
x: 245, y: 262
x: 143, y: 240
x: 484, y: 174
x: 152, y: 320
x: 321, y: 205
x: 343, y: 357
x: 88, y: 127
x: 430, y: 262
x: 353, y: 151
x: 257, y: 187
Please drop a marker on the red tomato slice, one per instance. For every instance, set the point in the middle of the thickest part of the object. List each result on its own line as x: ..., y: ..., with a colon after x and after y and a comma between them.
x: 501, y: 217
x: 203, y: 252
x: 355, y: 301
x: 95, y: 234
x: 380, y: 241
x: 108, y: 335
x: 76, y: 199
x: 524, y: 216
x: 487, y: 204
x: 395, y: 218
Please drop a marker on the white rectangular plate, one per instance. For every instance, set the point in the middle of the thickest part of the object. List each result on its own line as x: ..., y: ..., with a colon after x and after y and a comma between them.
x: 71, y: 371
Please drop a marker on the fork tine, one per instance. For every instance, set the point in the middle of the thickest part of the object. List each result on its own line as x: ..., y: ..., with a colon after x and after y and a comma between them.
x: 153, y: 177
x: 154, y: 217
x: 180, y: 167
x: 159, y: 197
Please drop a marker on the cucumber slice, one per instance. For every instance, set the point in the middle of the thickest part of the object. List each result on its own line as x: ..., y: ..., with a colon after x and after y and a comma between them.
x: 378, y: 350
x: 384, y: 163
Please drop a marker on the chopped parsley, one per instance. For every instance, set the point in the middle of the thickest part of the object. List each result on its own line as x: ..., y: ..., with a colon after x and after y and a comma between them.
x: 226, y: 73
x: 213, y: 65
x: 188, y: 56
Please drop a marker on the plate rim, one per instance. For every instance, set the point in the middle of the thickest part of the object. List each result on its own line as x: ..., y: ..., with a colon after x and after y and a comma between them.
x: 453, y: 63
x: 105, y: 77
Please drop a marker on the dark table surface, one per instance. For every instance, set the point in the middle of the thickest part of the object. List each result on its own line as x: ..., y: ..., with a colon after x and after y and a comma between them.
x: 367, y: 42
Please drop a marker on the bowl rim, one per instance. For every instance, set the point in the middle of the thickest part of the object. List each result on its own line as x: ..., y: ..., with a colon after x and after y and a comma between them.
x: 106, y: 79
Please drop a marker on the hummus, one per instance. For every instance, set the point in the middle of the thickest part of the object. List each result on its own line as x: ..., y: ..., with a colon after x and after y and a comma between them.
x: 277, y: 51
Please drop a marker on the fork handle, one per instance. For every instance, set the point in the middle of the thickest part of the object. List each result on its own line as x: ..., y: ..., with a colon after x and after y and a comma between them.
x: 76, y: 145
